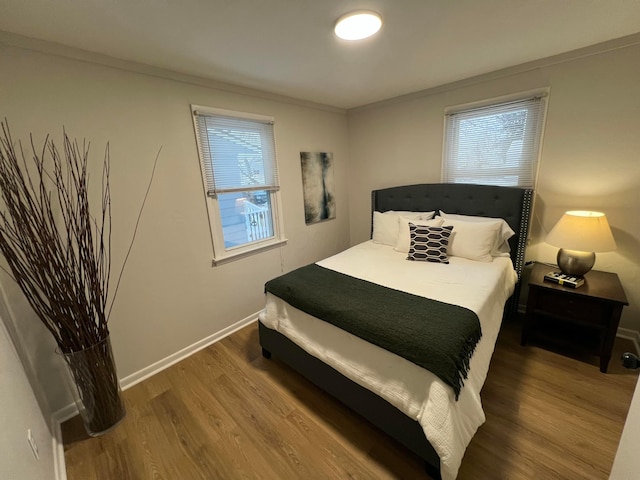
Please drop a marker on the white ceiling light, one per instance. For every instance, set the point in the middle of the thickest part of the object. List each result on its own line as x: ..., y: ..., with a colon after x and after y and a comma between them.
x: 358, y: 25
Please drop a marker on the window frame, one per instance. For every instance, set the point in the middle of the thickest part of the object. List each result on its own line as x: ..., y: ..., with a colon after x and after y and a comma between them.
x: 222, y: 254
x: 542, y: 93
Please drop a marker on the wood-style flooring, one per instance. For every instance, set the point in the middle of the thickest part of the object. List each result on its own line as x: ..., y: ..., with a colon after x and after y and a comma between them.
x: 228, y: 413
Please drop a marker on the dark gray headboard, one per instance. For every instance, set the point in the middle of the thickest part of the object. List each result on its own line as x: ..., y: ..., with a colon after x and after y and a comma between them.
x: 510, y: 203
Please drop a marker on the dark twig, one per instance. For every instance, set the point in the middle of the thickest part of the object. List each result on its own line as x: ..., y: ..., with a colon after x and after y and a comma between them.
x: 135, y: 230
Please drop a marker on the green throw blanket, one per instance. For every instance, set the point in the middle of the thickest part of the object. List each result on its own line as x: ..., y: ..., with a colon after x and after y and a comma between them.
x: 437, y: 336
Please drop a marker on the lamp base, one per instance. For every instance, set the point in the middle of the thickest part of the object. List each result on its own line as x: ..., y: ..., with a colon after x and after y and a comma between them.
x: 575, y: 262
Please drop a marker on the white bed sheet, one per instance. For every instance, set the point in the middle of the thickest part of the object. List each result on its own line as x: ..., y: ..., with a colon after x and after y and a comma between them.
x: 482, y: 287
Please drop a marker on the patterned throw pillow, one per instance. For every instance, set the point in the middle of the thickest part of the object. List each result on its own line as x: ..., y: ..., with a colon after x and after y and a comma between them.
x: 429, y: 244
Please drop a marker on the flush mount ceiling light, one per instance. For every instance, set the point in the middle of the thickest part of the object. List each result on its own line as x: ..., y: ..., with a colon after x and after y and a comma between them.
x: 358, y: 25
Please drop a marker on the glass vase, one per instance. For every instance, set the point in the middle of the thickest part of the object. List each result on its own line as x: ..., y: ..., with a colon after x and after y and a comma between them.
x: 95, y: 387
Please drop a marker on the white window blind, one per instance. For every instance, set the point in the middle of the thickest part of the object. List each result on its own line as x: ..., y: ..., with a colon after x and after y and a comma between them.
x: 494, y: 145
x: 237, y: 154
x: 240, y: 179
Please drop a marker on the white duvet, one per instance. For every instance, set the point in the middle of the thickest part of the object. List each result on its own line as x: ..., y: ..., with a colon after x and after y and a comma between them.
x: 481, y: 287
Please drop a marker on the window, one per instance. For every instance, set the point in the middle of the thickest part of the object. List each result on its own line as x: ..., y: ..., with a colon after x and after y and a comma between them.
x: 495, y: 144
x: 240, y: 176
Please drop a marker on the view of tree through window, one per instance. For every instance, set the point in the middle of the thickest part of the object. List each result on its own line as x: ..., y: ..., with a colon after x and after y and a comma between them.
x: 495, y: 145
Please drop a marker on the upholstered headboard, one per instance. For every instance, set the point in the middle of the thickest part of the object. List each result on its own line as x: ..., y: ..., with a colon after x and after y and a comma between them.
x: 510, y: 203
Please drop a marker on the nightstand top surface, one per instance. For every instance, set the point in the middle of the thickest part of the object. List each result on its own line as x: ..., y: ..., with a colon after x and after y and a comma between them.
x: 603, y: 285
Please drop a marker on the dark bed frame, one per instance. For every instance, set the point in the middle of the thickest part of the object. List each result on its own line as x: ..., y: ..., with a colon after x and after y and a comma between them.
x: 510, y: 203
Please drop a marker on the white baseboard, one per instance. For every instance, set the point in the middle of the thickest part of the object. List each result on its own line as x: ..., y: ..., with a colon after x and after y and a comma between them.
x: 71, y: 410
x: 633, y: 335
x: 139, y: 376
x: 60, y: 469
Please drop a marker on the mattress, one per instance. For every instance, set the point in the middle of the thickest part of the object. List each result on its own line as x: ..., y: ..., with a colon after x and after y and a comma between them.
x: 482, y: 287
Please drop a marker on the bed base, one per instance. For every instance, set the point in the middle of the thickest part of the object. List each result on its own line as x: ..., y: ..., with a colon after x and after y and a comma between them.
x: 376, y: 410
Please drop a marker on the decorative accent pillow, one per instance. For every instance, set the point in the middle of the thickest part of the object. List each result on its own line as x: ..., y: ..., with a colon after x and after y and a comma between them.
x: 402, y: 245
x: 501, y: 247
x: 385, y: 225
x: 473, y: 240
x: 429, y: 244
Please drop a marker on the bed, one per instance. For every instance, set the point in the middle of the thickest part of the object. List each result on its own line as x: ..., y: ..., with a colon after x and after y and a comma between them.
x: 410, y: 403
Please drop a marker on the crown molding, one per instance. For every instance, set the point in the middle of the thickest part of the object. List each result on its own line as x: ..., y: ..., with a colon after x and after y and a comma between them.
x: 596, y: 49
x: 57, y: 49
x: 78, y: 54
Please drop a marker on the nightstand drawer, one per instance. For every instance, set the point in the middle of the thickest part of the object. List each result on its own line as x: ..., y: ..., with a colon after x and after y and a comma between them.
x: 579, y: 309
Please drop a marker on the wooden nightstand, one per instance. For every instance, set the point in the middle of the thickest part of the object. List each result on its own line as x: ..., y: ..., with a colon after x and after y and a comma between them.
x: 583, y: 319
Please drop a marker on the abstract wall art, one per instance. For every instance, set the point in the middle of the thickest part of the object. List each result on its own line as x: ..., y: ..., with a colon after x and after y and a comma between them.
x: 317, y: 186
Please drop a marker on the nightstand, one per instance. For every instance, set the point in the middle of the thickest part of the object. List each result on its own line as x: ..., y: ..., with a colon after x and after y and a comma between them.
x: 583, y: 319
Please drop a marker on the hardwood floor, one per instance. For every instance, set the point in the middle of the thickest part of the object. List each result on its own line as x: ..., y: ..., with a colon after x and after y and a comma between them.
x: 228, y: 413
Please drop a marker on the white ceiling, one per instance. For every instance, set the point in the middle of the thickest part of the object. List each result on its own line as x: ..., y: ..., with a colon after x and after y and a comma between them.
x: 288, y: 46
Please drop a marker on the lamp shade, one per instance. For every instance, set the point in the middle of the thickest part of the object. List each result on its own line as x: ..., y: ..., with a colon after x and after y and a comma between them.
x: 583, y: 231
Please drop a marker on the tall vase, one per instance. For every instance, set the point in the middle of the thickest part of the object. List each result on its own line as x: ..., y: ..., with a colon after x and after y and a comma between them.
x: 96, y: 388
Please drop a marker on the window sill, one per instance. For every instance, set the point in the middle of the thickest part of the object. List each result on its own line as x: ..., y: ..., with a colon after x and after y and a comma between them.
x: 231, y: 257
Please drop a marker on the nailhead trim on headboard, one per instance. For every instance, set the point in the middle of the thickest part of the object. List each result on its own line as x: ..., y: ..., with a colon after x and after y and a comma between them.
x: 525, y: 217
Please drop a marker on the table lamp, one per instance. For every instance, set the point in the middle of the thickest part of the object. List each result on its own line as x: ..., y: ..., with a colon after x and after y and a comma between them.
x: 580, y: 234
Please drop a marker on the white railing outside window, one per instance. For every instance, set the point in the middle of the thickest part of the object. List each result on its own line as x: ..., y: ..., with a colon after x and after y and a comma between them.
x: 257, y: 221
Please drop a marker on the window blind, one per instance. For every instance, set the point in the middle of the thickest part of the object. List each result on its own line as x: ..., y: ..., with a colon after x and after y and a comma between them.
x: 494, y: 145
x: 237, y: 154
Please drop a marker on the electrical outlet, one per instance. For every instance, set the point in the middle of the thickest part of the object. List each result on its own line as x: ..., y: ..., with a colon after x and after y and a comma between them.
x: 33, y: 444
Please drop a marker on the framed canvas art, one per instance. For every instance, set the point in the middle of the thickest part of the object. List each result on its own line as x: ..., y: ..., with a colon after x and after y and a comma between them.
x: 317, y: 186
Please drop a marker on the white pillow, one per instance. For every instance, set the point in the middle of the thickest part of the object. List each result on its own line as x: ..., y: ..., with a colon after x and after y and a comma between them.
x: 501, y: 247
x: 385, y: 225
x: 423, y: 215
x: 405, y: 213
x: 404, y: 237
x: 472, y: 240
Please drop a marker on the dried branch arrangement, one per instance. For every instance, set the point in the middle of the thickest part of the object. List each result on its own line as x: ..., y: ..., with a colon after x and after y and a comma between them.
x: 58, y: 252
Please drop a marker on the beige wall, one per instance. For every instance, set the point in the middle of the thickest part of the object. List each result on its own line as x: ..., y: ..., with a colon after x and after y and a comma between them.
x: 590, y: 156
x: 20, y: 413
x: 170, y: 296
